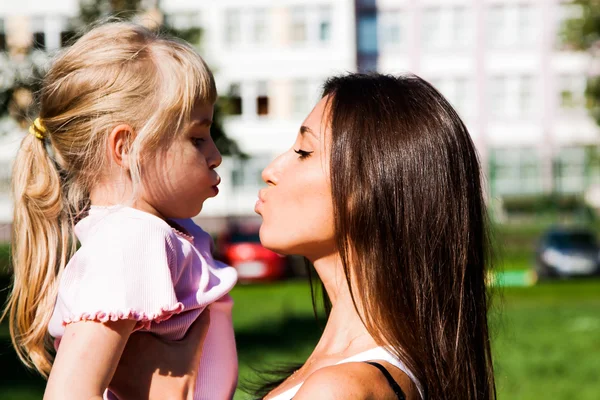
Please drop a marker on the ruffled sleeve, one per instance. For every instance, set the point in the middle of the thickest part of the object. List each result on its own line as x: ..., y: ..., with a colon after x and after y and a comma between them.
x: 122, y: 271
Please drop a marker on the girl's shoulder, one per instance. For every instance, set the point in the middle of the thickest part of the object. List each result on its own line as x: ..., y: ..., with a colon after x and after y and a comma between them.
x: 120, y: 222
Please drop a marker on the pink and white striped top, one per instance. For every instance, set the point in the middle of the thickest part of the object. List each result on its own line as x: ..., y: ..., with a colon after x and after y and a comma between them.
x: 134, y: 265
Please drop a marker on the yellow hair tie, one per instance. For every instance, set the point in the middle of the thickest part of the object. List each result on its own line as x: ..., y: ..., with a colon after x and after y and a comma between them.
x: 37, y: 129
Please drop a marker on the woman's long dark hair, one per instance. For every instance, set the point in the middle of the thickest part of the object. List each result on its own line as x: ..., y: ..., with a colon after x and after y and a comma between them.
x: 411, y: 228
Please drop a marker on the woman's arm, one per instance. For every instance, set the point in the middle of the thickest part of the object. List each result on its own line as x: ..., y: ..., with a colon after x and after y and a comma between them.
x: 87, y: 359
x: 155, y: 369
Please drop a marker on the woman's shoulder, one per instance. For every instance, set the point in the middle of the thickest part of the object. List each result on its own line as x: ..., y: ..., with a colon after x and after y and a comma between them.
x: 355, y: 381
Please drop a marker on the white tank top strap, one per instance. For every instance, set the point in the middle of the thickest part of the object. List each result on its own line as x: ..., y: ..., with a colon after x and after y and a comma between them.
x: 377, y: 353
x: 381, y: 353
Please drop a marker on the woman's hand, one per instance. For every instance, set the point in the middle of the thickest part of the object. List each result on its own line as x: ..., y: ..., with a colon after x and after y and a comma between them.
x: 151, y: 368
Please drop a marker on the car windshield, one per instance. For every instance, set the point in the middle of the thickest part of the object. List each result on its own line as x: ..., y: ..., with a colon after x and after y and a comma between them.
x: 572, y: 240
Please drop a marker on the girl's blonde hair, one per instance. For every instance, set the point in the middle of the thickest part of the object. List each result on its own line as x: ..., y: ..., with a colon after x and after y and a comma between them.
x: 116, y: 73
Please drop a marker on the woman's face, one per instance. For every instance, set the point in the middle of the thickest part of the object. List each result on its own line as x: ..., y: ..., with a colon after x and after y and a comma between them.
x: 296, y: 207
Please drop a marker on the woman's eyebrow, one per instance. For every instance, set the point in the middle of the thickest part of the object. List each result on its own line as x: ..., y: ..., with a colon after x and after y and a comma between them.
x: 304, y: 129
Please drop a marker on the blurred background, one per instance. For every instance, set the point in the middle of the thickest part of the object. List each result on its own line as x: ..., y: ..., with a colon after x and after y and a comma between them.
x: 523, y: 74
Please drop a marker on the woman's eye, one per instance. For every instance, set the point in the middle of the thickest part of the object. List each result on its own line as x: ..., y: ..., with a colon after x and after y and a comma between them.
x: 303, y: 154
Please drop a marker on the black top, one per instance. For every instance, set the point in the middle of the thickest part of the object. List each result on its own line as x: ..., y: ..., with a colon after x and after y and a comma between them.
x: 395, y: 387
x: 390, y: 379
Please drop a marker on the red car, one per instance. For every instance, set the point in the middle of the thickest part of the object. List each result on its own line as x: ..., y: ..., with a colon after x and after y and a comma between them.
x: 242, y: 250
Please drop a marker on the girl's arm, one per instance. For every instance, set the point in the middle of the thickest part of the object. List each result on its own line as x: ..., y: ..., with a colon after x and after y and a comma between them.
x: 154, y: 369
x: 87, y: 359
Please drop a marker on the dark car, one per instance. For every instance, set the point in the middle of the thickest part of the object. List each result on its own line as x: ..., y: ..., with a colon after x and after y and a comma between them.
x: 241, y: 249
x: 568, y: 253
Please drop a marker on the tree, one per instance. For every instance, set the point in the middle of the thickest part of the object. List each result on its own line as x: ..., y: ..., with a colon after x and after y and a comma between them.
x: 27, y: 73
x: 581, y: 32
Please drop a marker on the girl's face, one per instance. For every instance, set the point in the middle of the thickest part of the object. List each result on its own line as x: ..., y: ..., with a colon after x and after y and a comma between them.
x: 296, y: 207
x: 178, y: 181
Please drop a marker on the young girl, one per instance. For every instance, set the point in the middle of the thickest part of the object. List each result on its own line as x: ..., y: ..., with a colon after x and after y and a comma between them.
x: 118, y: 161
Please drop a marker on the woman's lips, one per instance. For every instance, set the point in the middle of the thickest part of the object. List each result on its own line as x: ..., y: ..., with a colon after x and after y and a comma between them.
x: 259, y: 202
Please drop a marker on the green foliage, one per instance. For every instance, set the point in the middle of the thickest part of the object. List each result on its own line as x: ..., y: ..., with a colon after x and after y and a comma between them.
x: 547, y: 205
x: 20, y: 75
x: 582, y: 32
x: 92, y: 12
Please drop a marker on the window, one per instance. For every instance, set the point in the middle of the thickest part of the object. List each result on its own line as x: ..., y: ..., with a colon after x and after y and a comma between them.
x: 366, y: 3
x: 391, y: 32
x: 39, y: 36
x: 262, y: 100
x: 233, y: 27
x: 496, y: 25
x: 3, y: 46
x: 248, y: 172
x: 575, y: 169
x: 459, y: 24
x: 67, y: 38
x: 526, y: 89
x: 5, y: 177
x: 367, y: 33
x: 183, y: 20
x: 570, y: 170
x: 461, y: 96
x: 446, y: 27
x: 298, y: 25
x: 457, y: 91
x: 235, y: 99
x: 431, y: 27
x: 498, y: 95
x: 515, y: 172
x: 512, y: 25
x: 300, y: 97
x: 526, y: 29
x: 260, y: 26
x: 39, y: 41
x: 512, y: 95
x: 571, y: 91
x: 325, y: 24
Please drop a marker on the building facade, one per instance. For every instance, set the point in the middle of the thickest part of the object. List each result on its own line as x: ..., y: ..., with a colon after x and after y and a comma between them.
x: 504, y: 68
x: 499, y: 62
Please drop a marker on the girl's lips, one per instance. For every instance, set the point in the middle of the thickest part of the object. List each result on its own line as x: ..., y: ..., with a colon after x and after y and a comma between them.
x: 257, y: 206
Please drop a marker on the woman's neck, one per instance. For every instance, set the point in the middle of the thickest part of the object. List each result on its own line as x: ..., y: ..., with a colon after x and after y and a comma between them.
x: 344, y: 332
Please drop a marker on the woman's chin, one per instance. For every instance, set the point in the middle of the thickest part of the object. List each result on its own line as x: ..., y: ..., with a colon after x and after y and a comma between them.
x: 273, y: 242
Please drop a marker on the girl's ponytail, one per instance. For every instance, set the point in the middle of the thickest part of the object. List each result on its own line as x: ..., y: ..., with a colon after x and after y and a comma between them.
x: 116, y: 73
x: 42, y: 243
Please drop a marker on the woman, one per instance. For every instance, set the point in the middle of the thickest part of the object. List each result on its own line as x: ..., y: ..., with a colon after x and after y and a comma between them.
x: 382, y: 193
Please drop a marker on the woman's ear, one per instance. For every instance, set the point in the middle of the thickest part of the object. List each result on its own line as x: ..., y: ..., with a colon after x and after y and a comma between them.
x: 119, y: 142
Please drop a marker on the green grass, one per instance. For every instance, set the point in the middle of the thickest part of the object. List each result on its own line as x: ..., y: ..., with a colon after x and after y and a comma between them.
x: 546, y: 339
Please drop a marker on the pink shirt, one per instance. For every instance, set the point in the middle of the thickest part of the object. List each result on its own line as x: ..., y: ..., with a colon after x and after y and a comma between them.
x: 134, y: 265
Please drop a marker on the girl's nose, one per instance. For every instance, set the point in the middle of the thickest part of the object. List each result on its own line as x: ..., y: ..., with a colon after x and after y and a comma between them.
x: 215, y: 158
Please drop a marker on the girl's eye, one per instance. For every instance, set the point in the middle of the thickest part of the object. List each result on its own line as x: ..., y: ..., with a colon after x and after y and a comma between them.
x: 197, y: 141
x: 303, y: 154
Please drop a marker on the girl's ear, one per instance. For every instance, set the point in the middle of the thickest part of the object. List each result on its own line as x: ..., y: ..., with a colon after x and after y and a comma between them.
x: 119, y: 142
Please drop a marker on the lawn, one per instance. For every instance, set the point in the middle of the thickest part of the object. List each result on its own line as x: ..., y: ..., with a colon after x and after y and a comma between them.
x: 546, y: 339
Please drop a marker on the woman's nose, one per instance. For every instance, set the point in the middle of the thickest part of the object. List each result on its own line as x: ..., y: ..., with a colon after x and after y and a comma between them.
x: 271, y: 172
